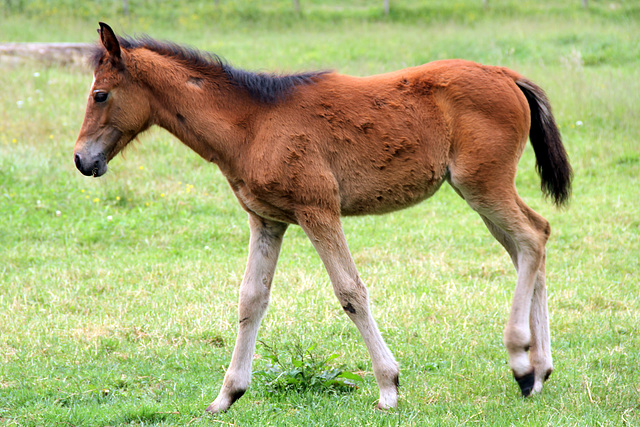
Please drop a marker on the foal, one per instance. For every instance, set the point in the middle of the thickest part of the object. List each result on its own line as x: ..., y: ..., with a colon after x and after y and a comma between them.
x: 305, y: 149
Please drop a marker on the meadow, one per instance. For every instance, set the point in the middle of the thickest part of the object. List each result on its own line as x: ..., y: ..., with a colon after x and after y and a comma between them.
x: 118, y: 295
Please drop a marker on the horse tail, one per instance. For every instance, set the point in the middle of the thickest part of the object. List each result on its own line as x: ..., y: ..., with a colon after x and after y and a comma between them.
x: 552, y: 162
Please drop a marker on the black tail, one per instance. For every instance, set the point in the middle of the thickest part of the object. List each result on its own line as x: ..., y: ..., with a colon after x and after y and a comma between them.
x: 552, y: 161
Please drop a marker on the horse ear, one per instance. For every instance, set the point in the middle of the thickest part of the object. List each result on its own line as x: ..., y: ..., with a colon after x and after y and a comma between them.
x: 109, y: 40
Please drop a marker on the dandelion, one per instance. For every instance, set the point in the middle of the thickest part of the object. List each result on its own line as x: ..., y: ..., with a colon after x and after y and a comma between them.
x: 161, y: 194
x: 96, y: 200
x: 82, y: 191
x: 50, y: 136
x: 14, y: 140
x: 141, y: 167
x: 146, y: 203
x: 117, y: 198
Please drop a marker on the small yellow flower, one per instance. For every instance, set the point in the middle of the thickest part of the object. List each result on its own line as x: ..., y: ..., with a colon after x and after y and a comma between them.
x: 96, y: 200
x: 50, y: 136
x: 161, y: 194
x: 14, y: 140
x: 82, y: 191
x: 118, y: 198
x: 146, y: 203
x: 141, y: 167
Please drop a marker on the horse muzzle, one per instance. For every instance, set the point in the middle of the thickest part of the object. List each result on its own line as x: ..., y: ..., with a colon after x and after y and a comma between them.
x: 91, y: 165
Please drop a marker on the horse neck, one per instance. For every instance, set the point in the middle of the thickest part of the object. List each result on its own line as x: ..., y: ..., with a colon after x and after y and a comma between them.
x: 208, y: 115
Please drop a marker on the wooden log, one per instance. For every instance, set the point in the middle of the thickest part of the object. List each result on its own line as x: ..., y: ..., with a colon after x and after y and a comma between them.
x: 47, y: 53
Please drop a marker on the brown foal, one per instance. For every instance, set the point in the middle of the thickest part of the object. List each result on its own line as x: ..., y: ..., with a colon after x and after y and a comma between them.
x: 306, y: 149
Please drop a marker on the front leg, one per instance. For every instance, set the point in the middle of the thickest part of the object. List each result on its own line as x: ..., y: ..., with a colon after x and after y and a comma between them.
x: 264, y: 248
x: 325, y: 232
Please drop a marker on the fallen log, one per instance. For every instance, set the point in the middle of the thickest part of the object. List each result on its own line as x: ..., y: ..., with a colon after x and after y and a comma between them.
x: 47, y: 53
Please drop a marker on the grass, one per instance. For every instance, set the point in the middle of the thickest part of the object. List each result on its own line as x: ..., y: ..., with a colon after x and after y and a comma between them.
x: 118, y: 295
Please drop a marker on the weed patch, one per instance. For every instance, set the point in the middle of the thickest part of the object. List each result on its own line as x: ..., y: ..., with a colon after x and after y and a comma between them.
x: 298, y: 369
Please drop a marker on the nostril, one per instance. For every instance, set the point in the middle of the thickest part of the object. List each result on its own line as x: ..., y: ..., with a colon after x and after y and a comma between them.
x: 76, y: 158
x: 96, y: 167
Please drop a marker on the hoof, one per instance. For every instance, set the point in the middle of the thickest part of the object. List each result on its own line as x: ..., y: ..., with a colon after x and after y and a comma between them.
x: 389, y: 399
x: 214, y: 408
x: 526, y: 383
x: 223, y: 402
x: 384, y: 408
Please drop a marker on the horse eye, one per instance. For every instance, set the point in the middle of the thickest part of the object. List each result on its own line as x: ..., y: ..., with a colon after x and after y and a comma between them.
x: 100, y: 96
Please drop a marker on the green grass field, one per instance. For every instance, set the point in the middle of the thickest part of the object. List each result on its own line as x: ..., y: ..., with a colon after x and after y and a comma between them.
x: 118, y: 295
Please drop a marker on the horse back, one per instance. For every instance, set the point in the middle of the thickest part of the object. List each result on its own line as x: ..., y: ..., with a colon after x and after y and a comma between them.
x: 367, y: 145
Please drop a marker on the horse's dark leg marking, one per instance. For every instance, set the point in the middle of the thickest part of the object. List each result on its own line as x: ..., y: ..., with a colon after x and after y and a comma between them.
x: 349, y: 308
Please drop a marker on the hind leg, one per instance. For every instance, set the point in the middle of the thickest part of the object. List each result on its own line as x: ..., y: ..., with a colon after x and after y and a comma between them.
x: 540, y: 348
x: 523, y: 233
x: 540, y: 352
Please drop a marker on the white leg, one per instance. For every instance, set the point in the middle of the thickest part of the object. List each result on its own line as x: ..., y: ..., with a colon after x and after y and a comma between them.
x: 325, y: 232
x: 517, y: 334
x: 526, y: 335
x: 540, y: 352
x: 264, y: 248
x: 524, y: 234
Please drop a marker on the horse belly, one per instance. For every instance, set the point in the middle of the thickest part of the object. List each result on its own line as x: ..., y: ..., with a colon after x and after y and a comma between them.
x: 390, y: 189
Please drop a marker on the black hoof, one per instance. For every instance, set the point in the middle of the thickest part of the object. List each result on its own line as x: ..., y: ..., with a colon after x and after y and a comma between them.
x: 526, y: 383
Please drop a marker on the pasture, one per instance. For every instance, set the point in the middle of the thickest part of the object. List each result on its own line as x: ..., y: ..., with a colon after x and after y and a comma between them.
x: 118, y: 295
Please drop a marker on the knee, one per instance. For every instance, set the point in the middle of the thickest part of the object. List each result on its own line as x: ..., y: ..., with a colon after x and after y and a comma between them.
x: 253, y: 302
x: 352, y: 295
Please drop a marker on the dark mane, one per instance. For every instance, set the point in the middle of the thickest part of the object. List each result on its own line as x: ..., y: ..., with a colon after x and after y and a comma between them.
x: 264, y: 87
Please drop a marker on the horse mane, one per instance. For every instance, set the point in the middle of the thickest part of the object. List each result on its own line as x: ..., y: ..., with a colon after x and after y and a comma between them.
x: 264, y: 87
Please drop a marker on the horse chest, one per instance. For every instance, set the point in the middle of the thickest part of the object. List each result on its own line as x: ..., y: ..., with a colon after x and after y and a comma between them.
x: 262, y: 202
